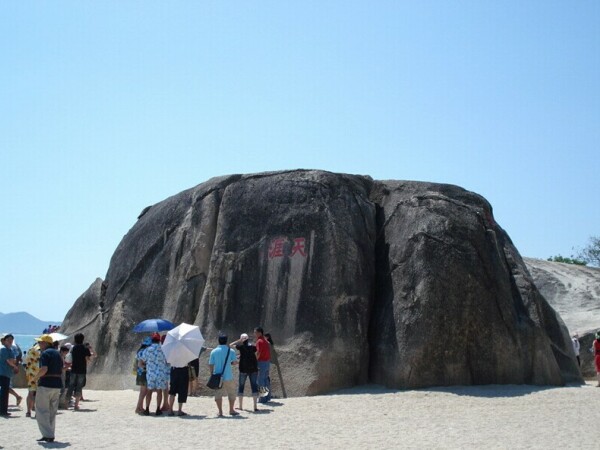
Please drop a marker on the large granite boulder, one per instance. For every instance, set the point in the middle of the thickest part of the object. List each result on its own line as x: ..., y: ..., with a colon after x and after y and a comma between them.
x: 454, y: 303
x: 574, y: 292
x: 401, y: 283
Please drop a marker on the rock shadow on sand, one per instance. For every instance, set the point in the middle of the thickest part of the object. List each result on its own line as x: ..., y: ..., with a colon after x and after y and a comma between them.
x: 484, y: 391
x: 496, y: 390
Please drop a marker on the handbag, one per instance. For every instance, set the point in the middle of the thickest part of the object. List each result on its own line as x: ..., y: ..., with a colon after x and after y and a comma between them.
x: 216, y: 379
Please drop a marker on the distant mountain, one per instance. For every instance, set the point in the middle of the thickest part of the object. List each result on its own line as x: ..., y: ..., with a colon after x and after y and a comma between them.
x: 23, y: 323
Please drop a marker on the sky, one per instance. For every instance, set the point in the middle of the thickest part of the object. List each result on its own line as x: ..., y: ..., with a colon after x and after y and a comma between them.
x: 108, y: 107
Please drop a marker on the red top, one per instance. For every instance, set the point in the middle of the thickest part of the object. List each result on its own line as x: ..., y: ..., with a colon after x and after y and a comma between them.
x: 263, y: 348
x: 596, y: 347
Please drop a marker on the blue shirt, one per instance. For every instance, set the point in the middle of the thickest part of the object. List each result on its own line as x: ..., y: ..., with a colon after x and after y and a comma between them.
x: 6, y: 370
x: 217, y: 358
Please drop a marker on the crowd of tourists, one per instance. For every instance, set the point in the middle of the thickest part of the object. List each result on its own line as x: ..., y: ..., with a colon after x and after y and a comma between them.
x: 51, y: 329
x: 155, y: 376
x: 56, y: 376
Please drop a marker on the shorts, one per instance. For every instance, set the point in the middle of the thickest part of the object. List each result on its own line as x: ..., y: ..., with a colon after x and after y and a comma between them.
x: 140, y: 379
x: 179, y: 383
x: 194, y: 369
x: 76, y: 383
x: 228, y: 389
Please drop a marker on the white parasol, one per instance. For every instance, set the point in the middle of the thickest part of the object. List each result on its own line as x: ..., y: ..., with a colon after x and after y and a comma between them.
x: 182, y: 344
x: 58, y: 336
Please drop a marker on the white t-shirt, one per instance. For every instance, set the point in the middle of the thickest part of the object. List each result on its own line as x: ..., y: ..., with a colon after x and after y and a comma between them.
x: 576, y: 346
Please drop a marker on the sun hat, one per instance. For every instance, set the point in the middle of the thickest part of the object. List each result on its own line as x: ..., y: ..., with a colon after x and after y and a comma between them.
x: 243, y: 337
x: 45, y: 338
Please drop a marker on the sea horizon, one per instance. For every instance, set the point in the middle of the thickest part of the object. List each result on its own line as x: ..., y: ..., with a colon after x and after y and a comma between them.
x: 25, y: 341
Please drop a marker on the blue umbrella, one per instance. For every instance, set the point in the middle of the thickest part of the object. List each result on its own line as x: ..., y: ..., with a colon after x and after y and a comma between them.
x: 150, y: 325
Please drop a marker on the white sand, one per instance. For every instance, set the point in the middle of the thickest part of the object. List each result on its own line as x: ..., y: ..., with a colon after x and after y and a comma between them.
x: 366, y: 417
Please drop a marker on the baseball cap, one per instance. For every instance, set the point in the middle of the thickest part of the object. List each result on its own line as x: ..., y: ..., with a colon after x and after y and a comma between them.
x: 45, y: 338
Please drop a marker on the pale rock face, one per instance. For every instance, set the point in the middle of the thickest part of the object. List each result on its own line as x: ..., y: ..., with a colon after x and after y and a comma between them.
x: 401, y: 283
x: 574, y: 292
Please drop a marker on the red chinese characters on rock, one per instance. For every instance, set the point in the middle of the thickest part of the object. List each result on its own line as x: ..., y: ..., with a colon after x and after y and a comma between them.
x: 277, y: 247
x: 298, y: 247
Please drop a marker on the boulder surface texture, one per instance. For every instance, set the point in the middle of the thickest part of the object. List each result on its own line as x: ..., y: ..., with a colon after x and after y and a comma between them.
x: 405, y: 284
x: 574, y: 292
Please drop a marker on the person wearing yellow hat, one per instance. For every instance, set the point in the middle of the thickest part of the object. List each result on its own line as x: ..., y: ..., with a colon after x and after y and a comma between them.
x: 49, y: 385
x: 32, y: 367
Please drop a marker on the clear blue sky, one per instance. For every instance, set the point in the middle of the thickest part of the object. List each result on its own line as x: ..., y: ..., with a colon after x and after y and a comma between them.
x: 107, y: 107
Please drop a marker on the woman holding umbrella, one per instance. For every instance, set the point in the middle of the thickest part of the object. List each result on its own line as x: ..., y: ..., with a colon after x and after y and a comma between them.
x: 156, y: 369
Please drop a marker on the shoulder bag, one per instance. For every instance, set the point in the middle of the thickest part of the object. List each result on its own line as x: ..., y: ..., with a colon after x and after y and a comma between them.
x: 216, y: 379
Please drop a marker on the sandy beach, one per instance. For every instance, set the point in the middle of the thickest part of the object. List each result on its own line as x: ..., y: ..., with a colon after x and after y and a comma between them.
x: 364, y: 417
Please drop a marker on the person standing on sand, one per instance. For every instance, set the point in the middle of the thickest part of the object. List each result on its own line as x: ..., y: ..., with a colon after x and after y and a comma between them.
x: 194, y: 370
x: 79, y: 355
x: 248, y: 369
x: 67, y: 362
x: 596, y: 349
x: 49, y: 380
x: 222, y: 358
x: 140, y: 375
x: 87, y: 361
x: 32, y: 367
x: 8, y: 367
x: 180, y: 378
x: 64, y: 351
x: 156, y: 368
x: 263, y: 356
x: 18, y: 360
x: 576, y: 347
x: 167, y: 375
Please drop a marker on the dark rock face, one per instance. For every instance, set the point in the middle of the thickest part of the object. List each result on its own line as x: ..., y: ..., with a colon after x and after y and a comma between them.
x: 295, y: 253
x: 401, y: 283
x: 454, y: 303
x: 586, y: 354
